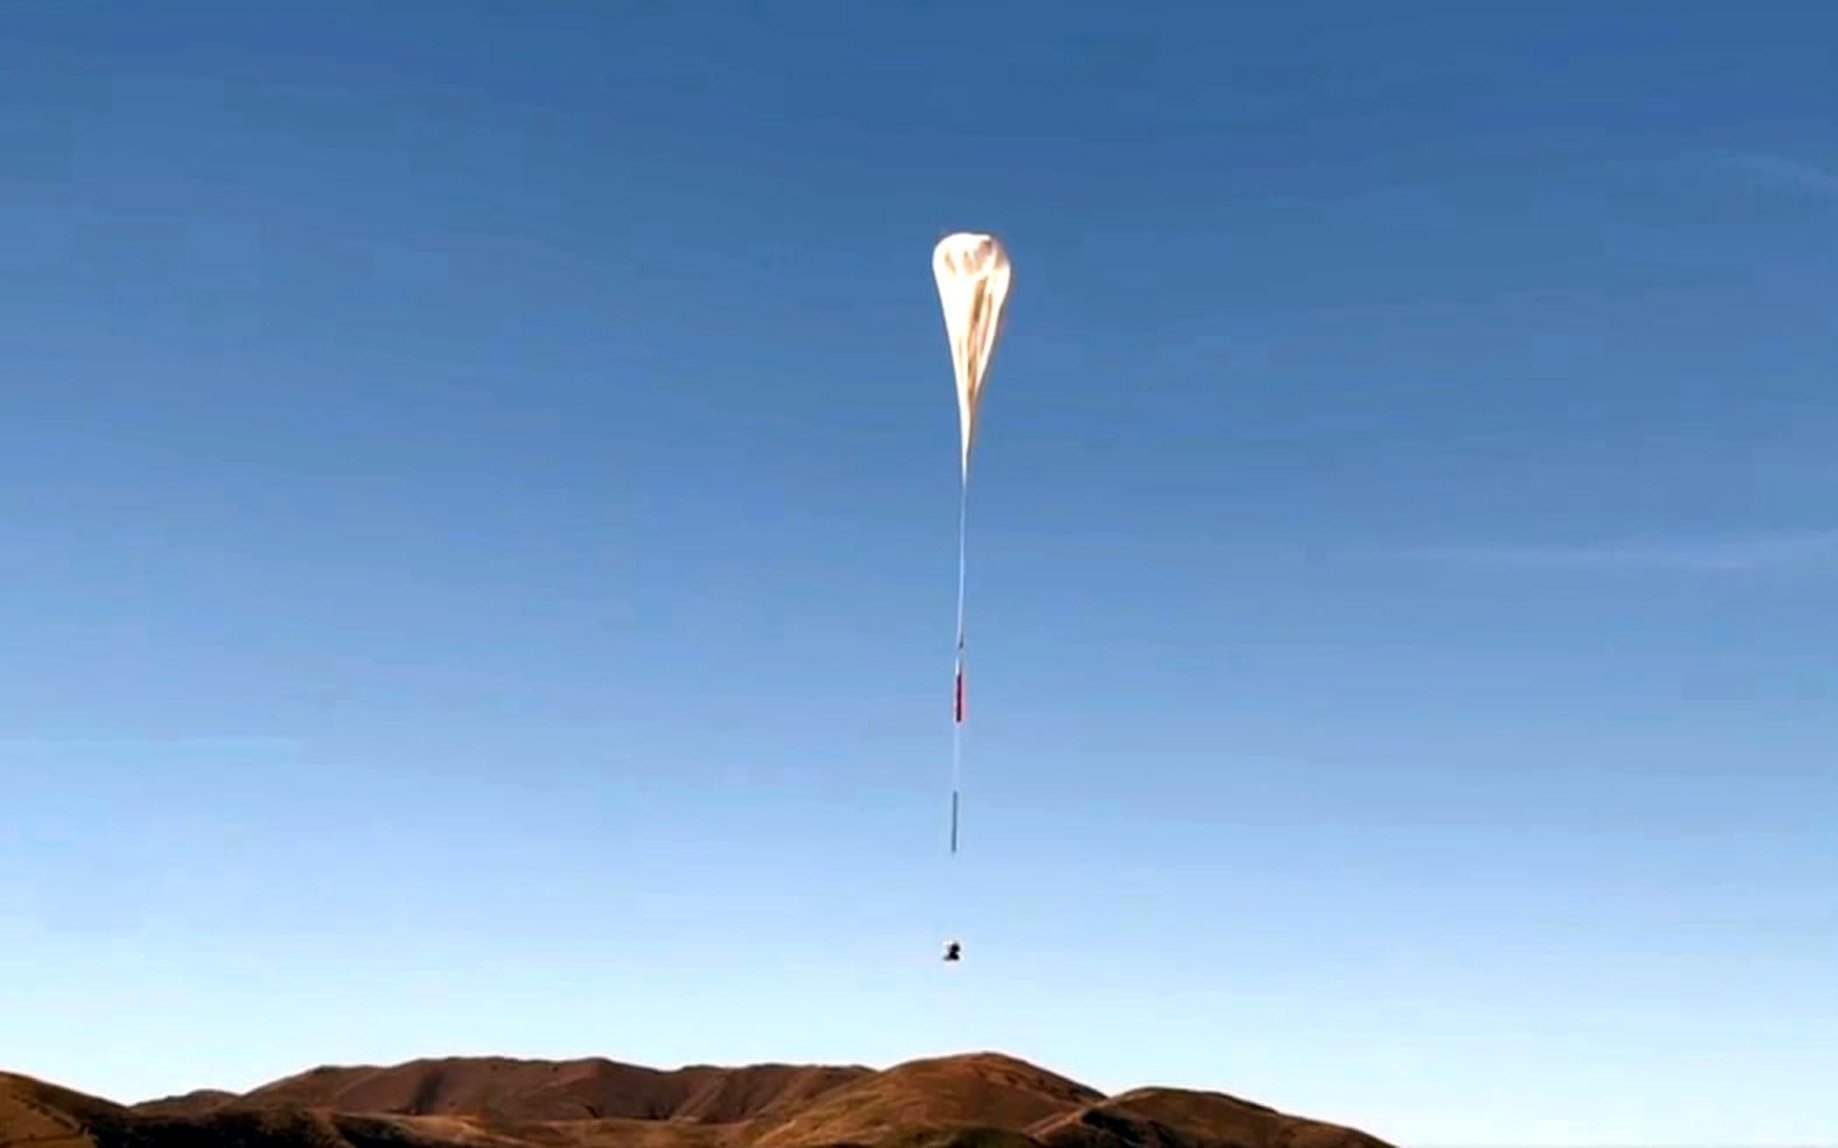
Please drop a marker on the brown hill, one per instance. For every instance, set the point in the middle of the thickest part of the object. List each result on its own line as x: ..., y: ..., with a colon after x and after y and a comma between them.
x: 978, y: 1090
x: 981, y: 1100
x: 546, y: 1090
x: 1156, y: 1117
x: 33, y: 1112
x: 194, y: 1103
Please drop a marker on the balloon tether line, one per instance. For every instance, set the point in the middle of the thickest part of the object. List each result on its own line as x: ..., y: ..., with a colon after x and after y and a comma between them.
x: 957, y: 724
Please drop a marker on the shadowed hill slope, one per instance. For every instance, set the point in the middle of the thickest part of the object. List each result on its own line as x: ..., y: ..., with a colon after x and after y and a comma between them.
x: 1170, y: 1116
x: 35, y: 1113
x: 978, y: 1090
x: 194, y: 1103
x: 533, y: 1090
x: 980, y: 1100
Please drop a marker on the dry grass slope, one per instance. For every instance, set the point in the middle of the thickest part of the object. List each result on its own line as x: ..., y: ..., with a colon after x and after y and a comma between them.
x: 1177, y: 1118
x: 195, y: 1103
x: 981, y: 1100
x: 981, y: 1090
x: 539, y: 1090
x: 40, y: 1115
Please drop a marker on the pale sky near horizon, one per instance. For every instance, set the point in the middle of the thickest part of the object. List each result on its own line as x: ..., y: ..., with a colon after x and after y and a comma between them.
x: 479, y: 543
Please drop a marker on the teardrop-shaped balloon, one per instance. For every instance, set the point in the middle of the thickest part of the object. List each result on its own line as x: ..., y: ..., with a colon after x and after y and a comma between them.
x: 973, y: 275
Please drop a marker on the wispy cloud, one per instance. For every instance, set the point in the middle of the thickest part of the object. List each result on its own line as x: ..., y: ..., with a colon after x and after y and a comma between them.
x: 1785, y: 171
x: 1727, y: 553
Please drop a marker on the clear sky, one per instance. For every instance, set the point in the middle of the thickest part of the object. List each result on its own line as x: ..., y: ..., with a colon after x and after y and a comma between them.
x: 479, y: 519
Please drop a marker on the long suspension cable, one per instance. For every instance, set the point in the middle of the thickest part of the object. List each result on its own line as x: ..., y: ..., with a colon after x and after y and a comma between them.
x: 957, y: 724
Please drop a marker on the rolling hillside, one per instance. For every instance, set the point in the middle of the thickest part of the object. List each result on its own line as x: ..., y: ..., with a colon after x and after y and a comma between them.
x: 980, y: 1100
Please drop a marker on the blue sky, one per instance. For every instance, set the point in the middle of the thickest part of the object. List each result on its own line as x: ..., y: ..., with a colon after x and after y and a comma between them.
x: 480, y: 518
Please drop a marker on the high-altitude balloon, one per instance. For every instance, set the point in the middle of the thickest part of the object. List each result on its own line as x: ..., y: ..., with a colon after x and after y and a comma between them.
x: 973, y: 275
